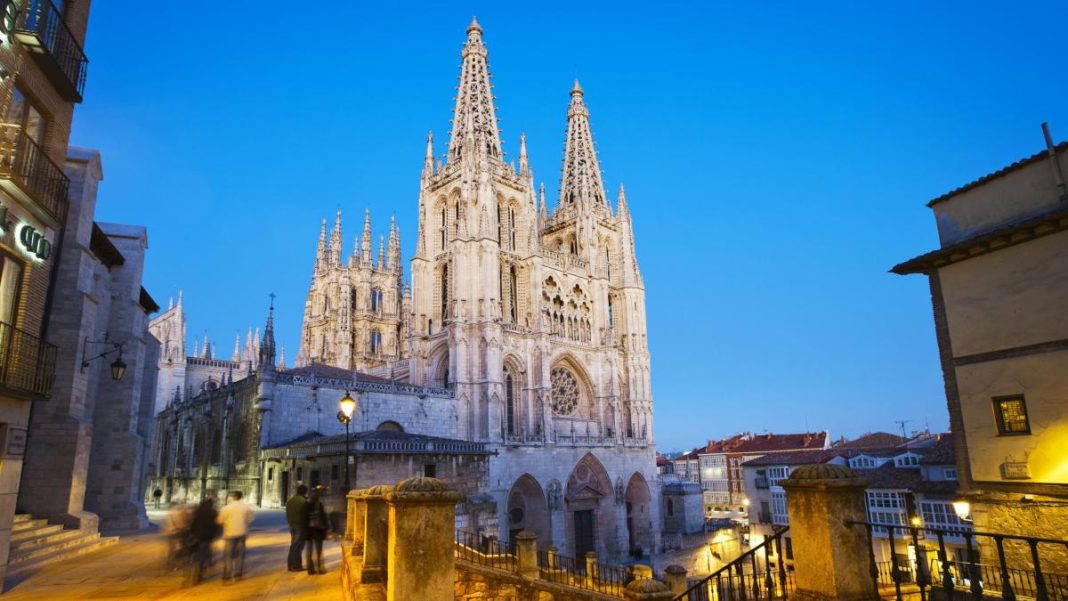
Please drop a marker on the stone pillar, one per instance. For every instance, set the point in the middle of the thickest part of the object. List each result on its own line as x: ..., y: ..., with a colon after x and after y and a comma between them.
x: 376, y: 534
x: 642, y: 571
x: 831, y: 560
x: 355, y: 519
x: 647, y: 589
x: 526, y: 551
x: 676, y: 579
x: 422, y: 518
x: 551, y: 554
x: 591, y: 569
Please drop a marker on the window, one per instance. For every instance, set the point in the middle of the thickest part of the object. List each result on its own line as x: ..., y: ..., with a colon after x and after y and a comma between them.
x: 949, y: 473
x: 444, y: 293
x: 779, y: 516
x: 511, y: 228
x: 444, y: 222
x: 22, y: 112
x: 509, y: 396
x: 376, y: 300
x: 513, y: 291
x: 270, y: 474
x: 1010, y: 413
x: 300, y: 474
x: 776, y: 474
x: 376, y: 342
x: 887, y: 508
x: 670, y: 507
x: 335, y: 473
x: 10, y: 284
x: 941, y: 515
x: 907, y: 460
x: 430, y: 470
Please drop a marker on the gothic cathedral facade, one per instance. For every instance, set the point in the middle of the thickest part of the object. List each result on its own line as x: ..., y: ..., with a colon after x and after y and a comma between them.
x: 535, y: 319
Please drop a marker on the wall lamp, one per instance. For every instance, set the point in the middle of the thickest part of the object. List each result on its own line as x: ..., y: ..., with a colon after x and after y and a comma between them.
x: 118, y: 366
x: 963, y: 509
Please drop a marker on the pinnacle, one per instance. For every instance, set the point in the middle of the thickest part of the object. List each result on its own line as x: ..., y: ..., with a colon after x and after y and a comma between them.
x: 474, y: 26
x: 576, y: 89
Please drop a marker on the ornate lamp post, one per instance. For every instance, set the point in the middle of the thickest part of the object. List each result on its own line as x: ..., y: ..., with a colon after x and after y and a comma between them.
x: 347, y: 406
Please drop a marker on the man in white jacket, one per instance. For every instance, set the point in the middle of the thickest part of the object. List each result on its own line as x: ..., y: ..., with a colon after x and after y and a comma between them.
x: 234, y: 519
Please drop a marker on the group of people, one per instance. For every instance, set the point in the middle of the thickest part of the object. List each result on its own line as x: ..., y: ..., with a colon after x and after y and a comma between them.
x: 192, y: 531
x: 308, y: 524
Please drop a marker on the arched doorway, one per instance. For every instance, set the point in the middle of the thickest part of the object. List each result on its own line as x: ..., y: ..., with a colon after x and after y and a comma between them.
x: 590, y: 513
x: 639, y: 516
x: 527, y: 510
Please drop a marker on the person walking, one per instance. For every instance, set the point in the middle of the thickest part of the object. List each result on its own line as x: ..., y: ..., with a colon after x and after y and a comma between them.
x: 203, y: 529
x: 317, y: 526
x: 234, y: 518
x: 297, y: 516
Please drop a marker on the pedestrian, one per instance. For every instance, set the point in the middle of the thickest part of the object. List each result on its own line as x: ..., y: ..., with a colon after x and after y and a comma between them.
x: 317, y: 526
x: 204, y: 530
x: 176, y: 528
x: 234, y: 518
x: 297, y: 516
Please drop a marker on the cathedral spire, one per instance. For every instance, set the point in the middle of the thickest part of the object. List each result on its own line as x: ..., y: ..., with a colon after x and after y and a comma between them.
x: 365, y: 244
x: 582, y: 174
x: 335, y: 241
x: 474, y: 123
x: 237, y: 348
x: 428, y: 163
x: 524, y: 165
x: 320, y: 252
x: 542, y: 209
x: 393, y: 258
x: 629, y: 261
x: 381, y: 263
x: 267, y: 346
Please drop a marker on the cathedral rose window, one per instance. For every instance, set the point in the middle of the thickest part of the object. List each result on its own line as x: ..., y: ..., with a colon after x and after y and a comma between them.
x: 565, y: 391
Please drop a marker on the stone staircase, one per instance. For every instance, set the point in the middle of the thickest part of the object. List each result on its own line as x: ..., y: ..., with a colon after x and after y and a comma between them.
x: 35, y: 543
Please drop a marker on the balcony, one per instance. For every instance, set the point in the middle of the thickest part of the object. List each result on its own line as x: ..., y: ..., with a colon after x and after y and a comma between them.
x: 27, y: 363
x: 41, y: 29
x: 28, y: 174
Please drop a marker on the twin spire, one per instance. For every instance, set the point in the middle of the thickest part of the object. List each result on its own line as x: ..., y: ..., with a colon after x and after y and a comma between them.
x: 475, y: 132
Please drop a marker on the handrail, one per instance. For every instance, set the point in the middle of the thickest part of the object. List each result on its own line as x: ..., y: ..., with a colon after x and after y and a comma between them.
x: 43, y: 19
x: 977, y: 580
x: 30, y: 167
x: 736, y: 569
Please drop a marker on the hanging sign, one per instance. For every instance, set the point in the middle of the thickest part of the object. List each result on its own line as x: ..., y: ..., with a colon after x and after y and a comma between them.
x: 34, y: 242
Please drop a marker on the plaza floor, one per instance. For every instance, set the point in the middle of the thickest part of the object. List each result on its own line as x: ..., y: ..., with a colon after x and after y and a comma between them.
x: 132, y: 569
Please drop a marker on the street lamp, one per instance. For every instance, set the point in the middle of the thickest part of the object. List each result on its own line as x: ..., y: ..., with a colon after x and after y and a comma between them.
x: 347, y: 406
x: 118, y: 366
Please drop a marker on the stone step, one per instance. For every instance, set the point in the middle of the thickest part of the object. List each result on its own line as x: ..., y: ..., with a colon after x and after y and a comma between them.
x: 31, y: 553
x: 22, y: 517
x: 27, y: 543
x: 28, y: 533
x: 23, y: 564
x: 28, y: 524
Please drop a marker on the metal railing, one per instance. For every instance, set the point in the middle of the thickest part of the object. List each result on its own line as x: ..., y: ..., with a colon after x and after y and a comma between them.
x: 971, y: 574
x: 568, y: 571
x: 26, y: 164
x: 754, y: 575
x: 484, y: 551
x: 27, y: 363
x: 40, y: 24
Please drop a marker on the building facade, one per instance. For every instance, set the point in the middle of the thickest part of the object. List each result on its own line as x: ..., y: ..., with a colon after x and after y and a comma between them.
x: 526, y: 326
x: 86, y: 446
x: 998, y: 288
x: 43, y: 76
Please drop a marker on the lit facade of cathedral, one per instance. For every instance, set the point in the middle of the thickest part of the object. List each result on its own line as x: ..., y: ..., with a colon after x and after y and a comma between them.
x: 523, y: 331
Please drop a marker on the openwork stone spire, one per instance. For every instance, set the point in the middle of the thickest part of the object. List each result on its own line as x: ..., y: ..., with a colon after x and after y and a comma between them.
x: 582, y: 174
x: 474, y: 124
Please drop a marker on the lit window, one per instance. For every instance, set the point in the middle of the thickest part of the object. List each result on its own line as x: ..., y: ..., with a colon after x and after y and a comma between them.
x: 949, y: 473
x: 1010, y: 413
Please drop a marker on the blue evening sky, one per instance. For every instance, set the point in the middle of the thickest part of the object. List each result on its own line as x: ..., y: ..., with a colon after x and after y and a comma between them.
x: 777, y: 158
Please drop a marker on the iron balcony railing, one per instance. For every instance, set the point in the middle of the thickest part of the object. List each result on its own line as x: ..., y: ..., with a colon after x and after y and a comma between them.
x: 27, y: 363
x: 586, y: 574
x: 27, y: 172
x: 759, y: 573
x: 977, y: 578
x: 41, y: 28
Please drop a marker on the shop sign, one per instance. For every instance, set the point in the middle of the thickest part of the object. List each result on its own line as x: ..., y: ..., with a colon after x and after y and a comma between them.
x: 34, y: 242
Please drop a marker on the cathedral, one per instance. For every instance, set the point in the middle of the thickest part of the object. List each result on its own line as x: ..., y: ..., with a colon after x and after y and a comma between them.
x: 523, y: 332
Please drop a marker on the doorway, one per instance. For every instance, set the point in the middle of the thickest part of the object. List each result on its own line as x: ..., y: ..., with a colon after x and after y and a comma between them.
x: 583, y: 533
x: 285, y: 486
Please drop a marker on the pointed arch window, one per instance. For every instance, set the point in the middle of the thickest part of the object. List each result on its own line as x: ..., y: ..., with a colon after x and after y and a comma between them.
x: 509, y: 402
x: 444, y: 225
x: 574, y: 246
x: 376, y: 300
x: 611, y: 317
x: 376, y: 342
x: 513, y: 292
x: 511, y: 228
x: 444, y: 292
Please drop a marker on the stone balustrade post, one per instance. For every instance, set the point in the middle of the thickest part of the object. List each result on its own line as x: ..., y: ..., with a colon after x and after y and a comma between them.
x: 355, y: 520
x: 831, y: 559
x: 376, y: 534
x: 591, y: 568
x: 526, y: 552
x: 551, y: 553
x: 676, y: 579
x: 647, y: 589
x: 640, y: 570
x: 421, y: 557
